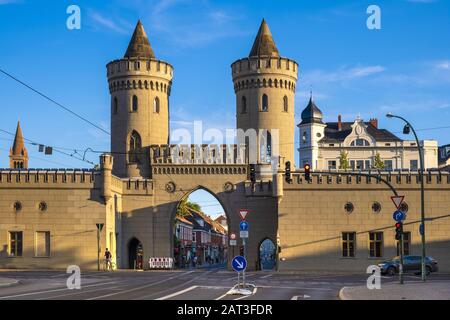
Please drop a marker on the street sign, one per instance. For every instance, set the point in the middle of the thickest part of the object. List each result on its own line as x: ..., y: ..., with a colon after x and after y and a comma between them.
x: 398, y: 216
x: 421, y: 229
x: 397, y: 200
x: 243, y: 213
x: 243, y: 234
x: 239, y: 263
x: 233, y: 242
x: 233, y: 236
x: 243, y: 226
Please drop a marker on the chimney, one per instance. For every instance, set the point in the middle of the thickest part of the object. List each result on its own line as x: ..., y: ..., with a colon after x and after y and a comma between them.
x: 339, y: 123
x: 374, y: 122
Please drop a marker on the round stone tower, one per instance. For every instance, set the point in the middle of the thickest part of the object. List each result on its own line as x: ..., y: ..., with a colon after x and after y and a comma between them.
x: 140, y: 86
x: 264, y: 84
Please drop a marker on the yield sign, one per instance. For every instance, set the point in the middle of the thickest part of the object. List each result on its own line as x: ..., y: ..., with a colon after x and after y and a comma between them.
x: 397, y: 200
x: 243, y: 213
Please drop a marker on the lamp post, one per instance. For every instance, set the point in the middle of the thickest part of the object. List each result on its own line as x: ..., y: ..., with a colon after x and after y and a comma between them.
x: 406, y: 130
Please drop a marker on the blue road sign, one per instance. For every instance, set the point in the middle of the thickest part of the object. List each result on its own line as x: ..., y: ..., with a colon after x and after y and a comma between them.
x: 421, y: 229
x: 243, y: 226
x: 398, y: 216
x: 239, y: 263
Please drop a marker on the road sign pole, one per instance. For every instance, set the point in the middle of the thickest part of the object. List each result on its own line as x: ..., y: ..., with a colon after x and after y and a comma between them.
x: 401, y: 257
x: 245, y: 256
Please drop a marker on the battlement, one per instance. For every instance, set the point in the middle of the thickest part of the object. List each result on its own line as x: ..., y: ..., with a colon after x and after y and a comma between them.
x: 198, y: 154
x: 62, y: 177
x: 132, y: 186
x: 343, y: 180
x: 265, y: 71
x: 125, y: 74
x: 227, y: 169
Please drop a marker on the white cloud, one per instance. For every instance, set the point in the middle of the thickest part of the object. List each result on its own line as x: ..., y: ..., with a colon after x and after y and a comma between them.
x: 342, y: 74
x: 108, y: 23
x: 443, y: 65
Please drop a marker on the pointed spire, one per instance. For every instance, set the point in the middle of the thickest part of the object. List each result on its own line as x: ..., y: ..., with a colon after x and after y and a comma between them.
x: 18, y: 154
x: 18, y: 145
x: 139, y: 46
x: 264, y: 44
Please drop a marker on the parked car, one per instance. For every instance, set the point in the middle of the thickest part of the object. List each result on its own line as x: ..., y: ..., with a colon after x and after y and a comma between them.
x: 410, y: 264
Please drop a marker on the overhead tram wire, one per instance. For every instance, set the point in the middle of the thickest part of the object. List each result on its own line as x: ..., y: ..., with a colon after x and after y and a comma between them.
x: 55, y: 102
x: 53, y: 148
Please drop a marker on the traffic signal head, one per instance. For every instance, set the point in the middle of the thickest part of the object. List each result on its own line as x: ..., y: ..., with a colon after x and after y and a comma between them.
x: 307, y: 169
x: 398, y: 230
x: 287, y: 172
x: 253, y: 173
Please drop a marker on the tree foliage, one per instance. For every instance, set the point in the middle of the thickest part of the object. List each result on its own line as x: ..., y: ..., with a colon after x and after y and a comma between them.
x: 343, y: 161
x: 378, y: 163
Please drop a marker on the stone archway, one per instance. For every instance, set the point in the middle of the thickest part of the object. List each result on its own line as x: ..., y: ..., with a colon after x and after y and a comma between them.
x: 135, y: 254
x: 267, y: 255
x: 216, y: 253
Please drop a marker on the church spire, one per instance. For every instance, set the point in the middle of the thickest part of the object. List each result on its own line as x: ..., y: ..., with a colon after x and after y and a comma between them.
x: 264, y: 44
x: 18, y: 154
x: 139, y: 46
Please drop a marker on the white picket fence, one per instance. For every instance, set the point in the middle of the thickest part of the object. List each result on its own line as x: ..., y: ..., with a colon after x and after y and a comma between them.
x: 160, y: 263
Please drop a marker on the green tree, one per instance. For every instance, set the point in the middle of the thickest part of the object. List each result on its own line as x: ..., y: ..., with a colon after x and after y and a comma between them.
x: 343, y: 161
x: 378, y: 163
x: 185, y: 205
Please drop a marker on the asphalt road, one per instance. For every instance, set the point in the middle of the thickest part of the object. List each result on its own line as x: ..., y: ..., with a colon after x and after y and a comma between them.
x: 212, y: 284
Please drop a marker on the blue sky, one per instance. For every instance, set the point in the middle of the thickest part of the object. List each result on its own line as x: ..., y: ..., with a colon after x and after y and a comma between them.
x: 403, y: 68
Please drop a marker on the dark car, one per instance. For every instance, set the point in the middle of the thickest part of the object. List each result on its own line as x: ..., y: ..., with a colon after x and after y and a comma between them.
x: 410, y: 264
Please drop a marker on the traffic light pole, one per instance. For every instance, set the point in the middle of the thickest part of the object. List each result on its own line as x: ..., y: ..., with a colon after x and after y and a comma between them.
x: 401, y: 257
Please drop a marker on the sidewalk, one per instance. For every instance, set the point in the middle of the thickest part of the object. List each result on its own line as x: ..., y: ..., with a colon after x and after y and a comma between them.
x: 431, y: 290
x: 4, y: 282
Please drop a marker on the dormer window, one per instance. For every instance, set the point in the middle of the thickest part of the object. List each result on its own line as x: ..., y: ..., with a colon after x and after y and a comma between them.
x: 360, y: 143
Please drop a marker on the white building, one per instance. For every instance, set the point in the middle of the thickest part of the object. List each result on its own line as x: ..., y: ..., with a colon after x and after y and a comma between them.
x: 321, y: 144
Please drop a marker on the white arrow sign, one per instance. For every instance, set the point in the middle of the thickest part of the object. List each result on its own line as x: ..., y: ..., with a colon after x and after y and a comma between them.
x: 397, y: 200
x: 240, y: 264
x: 303, y: 296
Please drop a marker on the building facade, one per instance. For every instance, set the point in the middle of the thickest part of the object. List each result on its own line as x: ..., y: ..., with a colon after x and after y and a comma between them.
x: 322, y: 145
x: 49, y: 218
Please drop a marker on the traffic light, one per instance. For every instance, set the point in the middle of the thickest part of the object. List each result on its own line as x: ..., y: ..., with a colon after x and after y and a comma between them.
x: 307, y: 168
x: 287, y: 172
x: 241, y: 251
x: 398, y: 230
x: 253, y: 173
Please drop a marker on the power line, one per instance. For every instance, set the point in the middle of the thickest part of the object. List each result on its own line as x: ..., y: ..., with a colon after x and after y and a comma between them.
x: 55, y: 102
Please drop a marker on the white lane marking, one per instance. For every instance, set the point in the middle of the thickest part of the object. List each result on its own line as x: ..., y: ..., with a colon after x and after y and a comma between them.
x: 139, y: 288
x: 266, y: 276
x: 302, y: 296
x: 54, y: 290
x: 243, y: 297
x: 78, y: 292
x: 177, y: 293
x: 282, y: 287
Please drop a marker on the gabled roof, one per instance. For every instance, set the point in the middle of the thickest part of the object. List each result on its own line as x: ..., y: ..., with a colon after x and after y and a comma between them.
x: 333, y: 134
x: 139, y: 46
x: 264, y: 44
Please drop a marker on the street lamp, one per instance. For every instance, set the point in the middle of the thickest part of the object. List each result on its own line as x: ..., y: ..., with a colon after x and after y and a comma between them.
x: 406, y: 130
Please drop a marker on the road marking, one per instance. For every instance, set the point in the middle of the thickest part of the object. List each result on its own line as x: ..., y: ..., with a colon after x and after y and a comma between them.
x: 266, y: 276
x: 77, y: 293
x: 302, y: 296
x: 138, y: 288
x: 54, y: 290
x: 280, y: 287
x: 253, y: 293
x: 177, y: 293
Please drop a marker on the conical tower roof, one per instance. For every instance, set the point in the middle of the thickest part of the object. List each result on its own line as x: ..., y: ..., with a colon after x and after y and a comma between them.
x: 18, y: 148
x: 139, y: 46
x: 312, y: 113
x: 264, y: 44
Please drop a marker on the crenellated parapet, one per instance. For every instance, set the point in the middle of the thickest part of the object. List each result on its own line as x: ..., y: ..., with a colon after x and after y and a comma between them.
x: 48, y: 178
x: 435, y: 179
x: 264, y: 72
x: 144, y: 74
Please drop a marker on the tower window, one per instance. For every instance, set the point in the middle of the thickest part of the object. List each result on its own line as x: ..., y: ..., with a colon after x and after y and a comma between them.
x: 244, y: 105
x: 360, y: 143
x: 137, y: 65
x: 135, y: 146
x: 156, y: 105
x: 285, y: 104
x: 115, y: 105
x: 265, y: 103
x: 134, y: 105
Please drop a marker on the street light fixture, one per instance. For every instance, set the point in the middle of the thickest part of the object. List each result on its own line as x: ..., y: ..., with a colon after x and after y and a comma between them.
x: 406, y: 130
